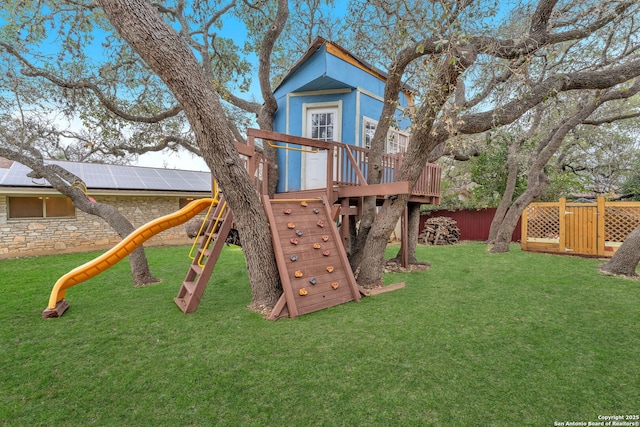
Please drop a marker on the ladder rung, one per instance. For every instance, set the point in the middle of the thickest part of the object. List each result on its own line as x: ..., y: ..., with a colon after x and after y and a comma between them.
x: 204, y: 251
x: 189, y: 287
x: 196, y: 268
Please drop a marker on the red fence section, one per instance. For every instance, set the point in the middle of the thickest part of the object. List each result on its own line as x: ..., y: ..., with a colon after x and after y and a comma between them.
x: 473, y: 224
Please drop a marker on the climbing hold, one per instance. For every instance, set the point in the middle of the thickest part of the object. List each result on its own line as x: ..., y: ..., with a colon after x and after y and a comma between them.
x: 302, y: 291
x: 316, y: 246
x: 291, y: 225
x: 298, y: 273
x: 287, y: 211
x: 316, y: 211
x: 320, y: 224
x: 294, y: 258
x: 299, y: 232
x: 325, y: 238
x: 303, y: 203
x: 294, y: 241
x: 335, y: 285
x: 313, y: 280
x: 330, y: 269
x: 325, y: 252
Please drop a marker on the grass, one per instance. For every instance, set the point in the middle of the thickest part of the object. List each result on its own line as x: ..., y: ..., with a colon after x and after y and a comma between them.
x: 477, y: 340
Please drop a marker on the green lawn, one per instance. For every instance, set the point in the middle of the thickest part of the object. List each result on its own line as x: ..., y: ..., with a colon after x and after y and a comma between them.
x: 516, y: 339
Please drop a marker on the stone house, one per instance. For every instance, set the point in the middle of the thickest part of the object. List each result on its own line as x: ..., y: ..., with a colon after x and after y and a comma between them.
x: 36, y: 220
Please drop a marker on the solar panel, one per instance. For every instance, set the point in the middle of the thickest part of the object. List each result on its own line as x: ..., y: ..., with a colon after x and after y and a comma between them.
x: 115, y: 177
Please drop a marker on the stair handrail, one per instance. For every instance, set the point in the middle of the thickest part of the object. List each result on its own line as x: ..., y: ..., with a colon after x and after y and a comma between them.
x: 215, y: 226
x: 216, y: 200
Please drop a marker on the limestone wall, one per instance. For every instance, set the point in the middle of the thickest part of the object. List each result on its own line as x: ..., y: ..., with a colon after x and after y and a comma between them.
x: 36, y: 237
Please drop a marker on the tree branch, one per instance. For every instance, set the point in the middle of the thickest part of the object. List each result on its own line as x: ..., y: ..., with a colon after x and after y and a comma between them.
x: 84, y: 84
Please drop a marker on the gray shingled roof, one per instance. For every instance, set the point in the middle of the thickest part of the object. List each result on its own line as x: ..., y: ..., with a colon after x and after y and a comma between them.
x: 114, y: 177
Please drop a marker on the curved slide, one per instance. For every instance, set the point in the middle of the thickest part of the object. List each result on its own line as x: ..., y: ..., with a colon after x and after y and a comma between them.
x: 57, y: 304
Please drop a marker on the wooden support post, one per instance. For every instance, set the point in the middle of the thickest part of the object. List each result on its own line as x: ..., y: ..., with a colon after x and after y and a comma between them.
x: 345, y: 226
x: 523, y: 228
x: 600, y: 235
x: 404, y: 236
x: 562, y: 208
x: 329, y: 185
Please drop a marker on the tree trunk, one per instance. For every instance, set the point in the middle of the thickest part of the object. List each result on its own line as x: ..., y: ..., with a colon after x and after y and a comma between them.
x: 356, y: 248
x: 372, y: 264
x: 172, y: 60
x: 626, y: 258
x: 507, y: 197
x: 140, y: 271
x: 535, y: 188
x: 412, y: 238
x: 537, y: 181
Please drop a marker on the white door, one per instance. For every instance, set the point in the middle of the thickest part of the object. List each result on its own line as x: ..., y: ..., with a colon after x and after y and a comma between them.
x: 321, y: 124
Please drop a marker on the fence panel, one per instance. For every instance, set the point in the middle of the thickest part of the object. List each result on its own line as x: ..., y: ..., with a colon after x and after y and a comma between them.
x: 590, y: 229
x: 474, y: 224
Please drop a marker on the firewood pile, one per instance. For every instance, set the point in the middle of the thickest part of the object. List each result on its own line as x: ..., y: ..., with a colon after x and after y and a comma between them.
x: 440, y: 230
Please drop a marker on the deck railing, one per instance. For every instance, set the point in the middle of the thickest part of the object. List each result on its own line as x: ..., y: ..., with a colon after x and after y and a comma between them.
x: 348, y: 164
x: 352, y: 169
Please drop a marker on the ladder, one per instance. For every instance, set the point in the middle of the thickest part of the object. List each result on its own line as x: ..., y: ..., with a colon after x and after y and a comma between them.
x: 211, y: 244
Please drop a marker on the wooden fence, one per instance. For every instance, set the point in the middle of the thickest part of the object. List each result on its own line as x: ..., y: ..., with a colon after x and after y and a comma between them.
x: 474, y: 224
x: 589, y: 229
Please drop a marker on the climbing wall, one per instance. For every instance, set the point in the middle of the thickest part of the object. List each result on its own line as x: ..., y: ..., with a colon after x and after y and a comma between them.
x: 313, y: 265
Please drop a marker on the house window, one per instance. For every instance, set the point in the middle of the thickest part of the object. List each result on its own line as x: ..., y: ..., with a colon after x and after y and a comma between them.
x: 40, y: 207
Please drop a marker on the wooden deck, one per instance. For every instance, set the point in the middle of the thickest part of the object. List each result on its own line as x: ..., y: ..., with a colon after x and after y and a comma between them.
x: 347, y: 172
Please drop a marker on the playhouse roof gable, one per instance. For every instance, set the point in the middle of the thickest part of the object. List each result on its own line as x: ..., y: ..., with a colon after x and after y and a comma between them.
x: 327, y: 66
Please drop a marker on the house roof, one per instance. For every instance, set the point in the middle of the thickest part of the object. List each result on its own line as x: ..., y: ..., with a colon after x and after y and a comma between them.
x: 111, y: 177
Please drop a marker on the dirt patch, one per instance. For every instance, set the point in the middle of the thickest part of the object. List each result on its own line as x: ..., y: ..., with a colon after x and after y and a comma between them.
x: 392, y: 266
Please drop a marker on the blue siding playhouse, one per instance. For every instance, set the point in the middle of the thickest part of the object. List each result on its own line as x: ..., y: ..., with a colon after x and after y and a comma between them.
x: 330, y: 95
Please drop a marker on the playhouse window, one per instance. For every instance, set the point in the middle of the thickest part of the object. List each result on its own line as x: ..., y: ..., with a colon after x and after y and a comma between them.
x: 40, y: 207
x: 396, y: 140
x: 322, y: 126
x: 369, y: 129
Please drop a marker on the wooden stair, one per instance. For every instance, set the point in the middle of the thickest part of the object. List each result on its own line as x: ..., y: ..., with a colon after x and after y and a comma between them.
x: 211, y: 244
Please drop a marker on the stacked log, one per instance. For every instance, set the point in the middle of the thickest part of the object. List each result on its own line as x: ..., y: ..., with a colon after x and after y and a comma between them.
x: 440, y: 230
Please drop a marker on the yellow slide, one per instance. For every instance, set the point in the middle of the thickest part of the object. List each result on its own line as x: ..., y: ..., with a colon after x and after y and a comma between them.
x: 57, y: 305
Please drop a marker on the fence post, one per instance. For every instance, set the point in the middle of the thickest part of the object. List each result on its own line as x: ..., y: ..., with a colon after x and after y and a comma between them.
x: 600, y: 218
x: 523, y: 228
x: 562, y: 208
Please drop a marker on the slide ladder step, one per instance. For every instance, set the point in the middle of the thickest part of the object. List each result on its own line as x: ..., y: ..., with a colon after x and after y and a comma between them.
x: 201, y: 268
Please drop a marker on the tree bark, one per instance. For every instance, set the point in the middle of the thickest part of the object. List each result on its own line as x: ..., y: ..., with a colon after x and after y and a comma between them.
x: 535, y: 188
x: 413, y: 227
x: 424, y: 139
x: 626, y: 258
x: 137, y: 259
x: 166, y: 53
x: 507, y: 197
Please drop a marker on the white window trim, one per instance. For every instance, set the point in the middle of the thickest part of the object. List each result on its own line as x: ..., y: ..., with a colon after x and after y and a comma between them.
x: 397, y: 132
x: 366, y: 120
x: 392, y: 130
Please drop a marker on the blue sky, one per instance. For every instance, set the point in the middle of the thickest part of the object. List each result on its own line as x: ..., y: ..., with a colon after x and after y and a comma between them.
x: 234, y: 29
